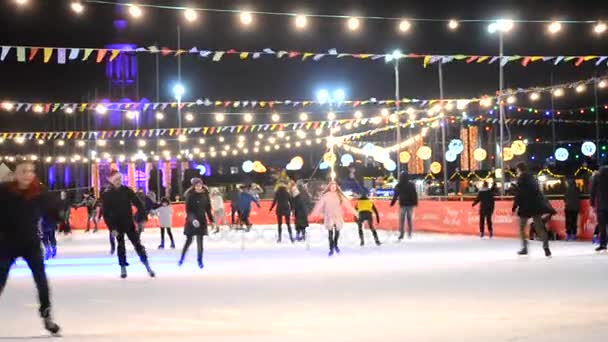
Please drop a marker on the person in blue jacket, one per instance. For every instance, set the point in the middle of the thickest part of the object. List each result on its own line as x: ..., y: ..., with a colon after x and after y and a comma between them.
x: 244, y: 206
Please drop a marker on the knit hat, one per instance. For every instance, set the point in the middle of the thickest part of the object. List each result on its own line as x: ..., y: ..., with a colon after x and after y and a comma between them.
x: 194, y: 181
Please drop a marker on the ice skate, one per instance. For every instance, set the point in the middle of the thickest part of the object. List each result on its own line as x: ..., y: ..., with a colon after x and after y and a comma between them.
x: 600, y: 249
x: 161, y: 246
x: 378, y: 243
x: 49, y: 324
x: 172, y: 245
x: 524, y: 251
x: 547, y: 252
x: 337, y: 249
x: 123, y: 272
x: 331, y: 252
x: 362, y: 243
x: 54, y: 252
x: 150, y: 271
x: 47, y: 253
x: 200, y: 264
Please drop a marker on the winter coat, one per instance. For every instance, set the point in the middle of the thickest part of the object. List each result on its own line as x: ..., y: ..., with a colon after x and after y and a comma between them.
x: 529, y: 200
x: 301, y: 207
x: 282, y: 201
x: 90, y: 203
x: 165, y: 216
x: 245, y: 200
x: 599, y: 190
x: 407, y: 195
x: 117, y: 208
x: 330, y: 207
x: 234, y: 199
x: 486, y: 198
x: 20, y: 215
x: 572, y: 198
x: 198, y: 207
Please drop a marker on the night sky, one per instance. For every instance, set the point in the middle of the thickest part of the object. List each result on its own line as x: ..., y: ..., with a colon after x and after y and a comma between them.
x: 51, y: 23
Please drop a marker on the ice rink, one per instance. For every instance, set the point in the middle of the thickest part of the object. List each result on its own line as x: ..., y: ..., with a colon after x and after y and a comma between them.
x: 432, y: 288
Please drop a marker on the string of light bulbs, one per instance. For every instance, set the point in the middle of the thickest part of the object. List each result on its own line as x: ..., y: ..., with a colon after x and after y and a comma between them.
x: 300, y: 20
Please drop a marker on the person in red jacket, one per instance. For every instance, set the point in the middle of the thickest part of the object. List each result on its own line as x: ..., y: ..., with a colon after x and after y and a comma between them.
x: 24, y: 202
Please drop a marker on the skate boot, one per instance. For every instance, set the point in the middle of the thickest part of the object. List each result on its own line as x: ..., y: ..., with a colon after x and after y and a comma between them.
x: 595, y: 240
x: 150, y: 272
x: 123, y: 272
x: 112, y: 250
x: 180, y: 262
x: 491, y: 234
x: 378, y: 243
x: 200, y: 264
x: 161, y: 246
x: 54, y: 252
x: 331, y: 252
x: 49, y: 324
x: 47, y: 253
x: 172, y: 245
x: 547, y: 252
x: 362, y: 243
x: 523, y: 251
x: 600, y: 249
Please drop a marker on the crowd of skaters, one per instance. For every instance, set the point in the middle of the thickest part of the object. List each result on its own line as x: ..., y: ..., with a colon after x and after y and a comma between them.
x: 31, y: 215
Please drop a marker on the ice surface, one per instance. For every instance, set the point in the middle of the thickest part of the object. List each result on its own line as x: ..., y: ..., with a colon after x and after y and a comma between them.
x: 432, y: 288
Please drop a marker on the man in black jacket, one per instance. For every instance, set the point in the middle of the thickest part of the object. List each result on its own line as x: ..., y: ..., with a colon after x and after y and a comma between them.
x: 24, y: 202
x: 530, y: 203
x: 406, y: 193
x: 118, y: 215
x: 599, y: 201
x: 486, y: 197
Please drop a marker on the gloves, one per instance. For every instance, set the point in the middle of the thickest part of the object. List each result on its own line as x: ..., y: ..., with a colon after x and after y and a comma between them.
x: 196, y: 224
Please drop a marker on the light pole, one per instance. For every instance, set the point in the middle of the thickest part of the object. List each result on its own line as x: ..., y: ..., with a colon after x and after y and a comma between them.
x: 396, y: 56
x: 323, y: 97
x: 178, y: 92
x: 501, y: 27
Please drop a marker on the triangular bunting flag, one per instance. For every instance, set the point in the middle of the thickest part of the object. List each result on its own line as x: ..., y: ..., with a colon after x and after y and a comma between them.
x: 101, y: 53
x: 33, y: 53
x: 61, y: 56
x: 218, y: 56
x: 74, y: 54
x: 5, y: 51
x: 20, y: 54
x: 87, y: 54
x: 114, y: 54
x: 48, y: 53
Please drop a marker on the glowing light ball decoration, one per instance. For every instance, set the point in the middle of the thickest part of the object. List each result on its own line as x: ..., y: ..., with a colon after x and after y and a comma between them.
x: 329, y: 158
x: 368, y: 149
x: 404, y: 157
x: 435, y: 167
x: 450, y: 156
x: 424, y: 153
x: 518, y: 147
x: 380, y: 154
x: 247, y: 166
x: 258, y: 167
x: 480, y: 154
x: 346, y: 160
x: 390, y: 165
x: 323, y: 166
x: 507, y: 154
x: 588, y: 148
x: 456, y: 146
x: 295, y: 164
x: 561, y: 154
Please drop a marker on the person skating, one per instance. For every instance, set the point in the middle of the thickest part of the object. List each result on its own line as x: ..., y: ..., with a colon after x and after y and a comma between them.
x: 24, y: 201
x: 406, y: 193
x: 89, y: 201
x: 246, y: 197
x: 198, y: 210
x: 529, y: 203
x: 66, y: 211
x: 330, y: 208
x: 300, y: 209
x: 486, y: 209
x: 48, y: 227
x: 599, y: 201
x: 165, y: 219
x: 283, y: 202
x: 365, y: 207
x: 117, y: 202
x: 572, y: 206
x: 217, y: 204
x: 234, y: 207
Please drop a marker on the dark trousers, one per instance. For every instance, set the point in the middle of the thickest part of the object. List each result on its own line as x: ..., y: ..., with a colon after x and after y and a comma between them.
x: 199, y: 247
x: 333, y: 236
x: 162, y: 235
x: 64, y: 225
x: 133, y: 236
x: 35, y: 262
x: 485, y: 218
x: 244, y: 217
x: 602, y: 220
x: 366, y: 217
x: 280, y: 225
x: 233, y: 214
x: 571, y: 222
x: 112, y: 242
x: 48, y: 238
x: 91, y: 217
x: 539, y: 228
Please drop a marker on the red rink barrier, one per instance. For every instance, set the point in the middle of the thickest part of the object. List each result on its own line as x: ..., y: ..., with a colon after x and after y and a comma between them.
x: 450, y: 217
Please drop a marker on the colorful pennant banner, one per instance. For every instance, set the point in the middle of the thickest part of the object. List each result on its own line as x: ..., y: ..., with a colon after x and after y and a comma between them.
x: 100, y: 55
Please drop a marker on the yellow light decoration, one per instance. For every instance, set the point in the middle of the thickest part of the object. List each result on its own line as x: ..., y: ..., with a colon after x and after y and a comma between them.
x: 518, y: 147
x: 258, y: 167
x: 435, y: 167
x: 404, y: 157
x: 480, y: 154
x: 424, y: 153
x: 329, y: 158
x: 507, y: 154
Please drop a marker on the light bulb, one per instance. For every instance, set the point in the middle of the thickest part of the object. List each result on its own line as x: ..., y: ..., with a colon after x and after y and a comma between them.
x: 554, y: 27
x: 301, y: 21
x: 558, y: 92
x: 162, y: 143
x: 511, y: 99
x: 246, y: 18
x: 201, y: 141
x: 135, y: 11
x: 358, y: 114
x: 248, y: 117
x: 600, y: 28
x: 453, y: 24
x: 189, y: 117
x: 276, y: 117
x: 602, y: 84
x: 534, y: 96
x: 101, y: 109
x: 303, y: 116
x: 331, y: 116
x: 219, y: 117
x: 404, y: 25
x: 69, y: 110
x: 182, y: 138
x: 77, y: 7
x: 580, y: 88
x: 190, y: 15
x: 159, y: 115
x: 353, y: 24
